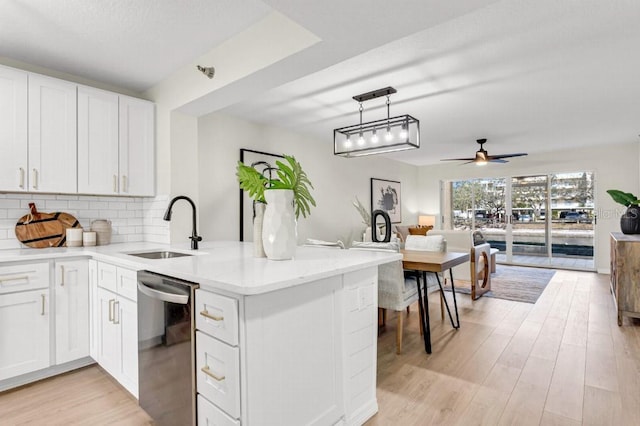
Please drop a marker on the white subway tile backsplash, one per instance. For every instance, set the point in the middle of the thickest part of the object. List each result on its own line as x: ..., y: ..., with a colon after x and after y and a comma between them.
x: 98, y: 205
x: 117, y: 206
x: 9, y: 204
x: 66, y: 197
x: 55, y: 205
x: 128, y: 215
x: 79, y: 205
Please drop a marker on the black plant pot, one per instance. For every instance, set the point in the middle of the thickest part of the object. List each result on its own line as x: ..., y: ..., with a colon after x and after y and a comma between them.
x: 630, y: 220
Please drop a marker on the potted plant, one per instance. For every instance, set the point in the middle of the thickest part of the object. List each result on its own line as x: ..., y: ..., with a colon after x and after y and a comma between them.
x: 630, y: 220
x: 286, y: 195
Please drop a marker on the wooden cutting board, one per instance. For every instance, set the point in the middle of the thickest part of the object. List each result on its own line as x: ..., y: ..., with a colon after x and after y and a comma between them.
x: 67, y: 221
x: 40, y: 230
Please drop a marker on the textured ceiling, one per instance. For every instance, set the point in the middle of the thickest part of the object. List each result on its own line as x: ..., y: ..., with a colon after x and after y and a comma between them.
x: 528, y: 76
x: 133, y: 44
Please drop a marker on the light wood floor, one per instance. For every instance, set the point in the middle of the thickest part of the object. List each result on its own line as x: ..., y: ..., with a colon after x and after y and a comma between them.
x: 562, y: 361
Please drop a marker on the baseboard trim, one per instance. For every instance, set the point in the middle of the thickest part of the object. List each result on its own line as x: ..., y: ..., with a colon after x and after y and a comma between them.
x: 45, y: 373
x: 364, y: 413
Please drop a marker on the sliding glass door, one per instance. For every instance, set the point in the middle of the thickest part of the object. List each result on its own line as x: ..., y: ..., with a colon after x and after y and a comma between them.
x: 540, y: 220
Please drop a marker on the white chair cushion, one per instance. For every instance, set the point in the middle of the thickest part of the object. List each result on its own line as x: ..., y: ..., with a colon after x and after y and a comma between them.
x: 425, y: 242
x: 391, y: 246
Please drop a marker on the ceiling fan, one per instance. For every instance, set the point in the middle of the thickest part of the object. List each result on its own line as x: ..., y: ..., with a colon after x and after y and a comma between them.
x: 482, y: 157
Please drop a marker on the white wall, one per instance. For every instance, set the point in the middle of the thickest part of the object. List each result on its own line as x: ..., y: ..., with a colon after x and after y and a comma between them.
x: 615, y: 167
x: 337, y: 181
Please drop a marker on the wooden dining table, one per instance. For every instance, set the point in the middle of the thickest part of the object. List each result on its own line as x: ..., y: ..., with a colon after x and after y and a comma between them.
x: 421, y: 262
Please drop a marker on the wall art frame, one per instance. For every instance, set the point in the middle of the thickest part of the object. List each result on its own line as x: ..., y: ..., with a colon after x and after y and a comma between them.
x: 386, y: 195
x: 258, y: 158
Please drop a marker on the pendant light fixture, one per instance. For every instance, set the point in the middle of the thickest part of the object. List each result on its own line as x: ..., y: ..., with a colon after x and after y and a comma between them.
x: 377, y: 137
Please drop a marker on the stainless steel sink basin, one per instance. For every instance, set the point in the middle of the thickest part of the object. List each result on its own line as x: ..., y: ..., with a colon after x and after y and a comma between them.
x: 164, y: 254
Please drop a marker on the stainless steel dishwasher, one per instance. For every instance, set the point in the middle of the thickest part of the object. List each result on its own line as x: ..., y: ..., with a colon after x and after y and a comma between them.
x: 166, y: 349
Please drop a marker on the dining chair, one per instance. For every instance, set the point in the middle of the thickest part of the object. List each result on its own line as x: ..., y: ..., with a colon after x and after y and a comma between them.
x: 395, y: 291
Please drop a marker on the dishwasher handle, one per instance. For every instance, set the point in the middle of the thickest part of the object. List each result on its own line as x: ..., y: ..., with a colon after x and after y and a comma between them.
x: 173, y: 295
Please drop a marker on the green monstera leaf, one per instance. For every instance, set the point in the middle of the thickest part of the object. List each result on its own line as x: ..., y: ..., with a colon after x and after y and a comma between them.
x: 290, y: 175
x: 624, y: 198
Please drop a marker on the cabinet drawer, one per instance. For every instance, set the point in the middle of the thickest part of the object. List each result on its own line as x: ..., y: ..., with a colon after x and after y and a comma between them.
x: 217, y: 316
x: 29, y: 276
x: 107, y: 276
x: 127, y: 283
x: 209, y: 414
x: 218, y: 373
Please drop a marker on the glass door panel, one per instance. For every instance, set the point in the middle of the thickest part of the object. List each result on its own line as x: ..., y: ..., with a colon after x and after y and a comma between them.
x: 529, y: 200
x: 490, y: 211
x: 572, y: 220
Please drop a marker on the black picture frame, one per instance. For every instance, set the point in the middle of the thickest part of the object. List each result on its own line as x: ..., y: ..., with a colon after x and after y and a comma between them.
x: 249, y: 157
x: 386, y: 195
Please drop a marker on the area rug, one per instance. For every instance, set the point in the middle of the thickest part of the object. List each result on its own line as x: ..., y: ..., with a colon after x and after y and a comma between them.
x: 517, y: 283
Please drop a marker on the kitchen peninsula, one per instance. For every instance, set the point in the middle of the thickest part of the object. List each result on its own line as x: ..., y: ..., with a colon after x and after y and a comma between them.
x: 297, y: 344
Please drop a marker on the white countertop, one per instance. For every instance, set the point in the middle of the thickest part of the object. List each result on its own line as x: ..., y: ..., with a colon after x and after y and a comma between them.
x: 222, y: 265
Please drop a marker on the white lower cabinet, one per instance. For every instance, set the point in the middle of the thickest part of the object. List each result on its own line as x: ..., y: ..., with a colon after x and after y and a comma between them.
x: 72, y: 310
x: 210, y: 415
x: 25, y: 318
x: 302, y: 355
x: 218, y: 373
x: 116, y: 319
x: 24, y: 332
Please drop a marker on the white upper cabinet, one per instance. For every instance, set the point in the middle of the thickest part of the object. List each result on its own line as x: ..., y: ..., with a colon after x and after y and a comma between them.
x: 52, y: 135
x: 13, y: 129
x: 61, y: 137
x: 97, y: 141
x: 137, y: 140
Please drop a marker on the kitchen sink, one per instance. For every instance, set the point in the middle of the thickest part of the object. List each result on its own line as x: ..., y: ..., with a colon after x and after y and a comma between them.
x: 164, y: 254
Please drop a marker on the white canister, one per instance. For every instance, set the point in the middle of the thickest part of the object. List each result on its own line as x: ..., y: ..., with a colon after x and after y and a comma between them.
x: 89, y: 238
x: 74, y: 237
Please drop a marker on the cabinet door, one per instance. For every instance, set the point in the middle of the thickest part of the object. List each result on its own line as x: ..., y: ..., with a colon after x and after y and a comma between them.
x: 72, y: 310
x: 94, y: 308
x: 107, y: 276
x: 52, y: 135
x: 127, y: 320
x: 137, y: 146
x: 97, y: 141
x: 13, y: 129
x: 24, y: 332
x: 127, y: 283
x: 109, y: 333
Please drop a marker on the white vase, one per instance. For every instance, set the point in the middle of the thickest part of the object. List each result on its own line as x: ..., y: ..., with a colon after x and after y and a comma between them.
x: 258, y: 248
x: 279, y: 234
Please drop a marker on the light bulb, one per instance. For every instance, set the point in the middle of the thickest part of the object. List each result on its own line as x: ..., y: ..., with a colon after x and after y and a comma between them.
x: 403, y: 132
x: 389, y: 136
x: 347, y: 143
x: 374, y: 137
x: 360, y: 140
x: 481, y: 163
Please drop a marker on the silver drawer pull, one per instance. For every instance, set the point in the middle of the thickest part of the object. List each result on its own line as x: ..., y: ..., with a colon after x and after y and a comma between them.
x: 43, y: 300
x: 62, y: 275
x: 8, y: 278
x: 208, y: 372
x: 206, y: 314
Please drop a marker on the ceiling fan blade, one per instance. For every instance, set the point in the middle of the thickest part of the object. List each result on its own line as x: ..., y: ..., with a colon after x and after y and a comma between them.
x: 497, y: 157
x: 459, y: 159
